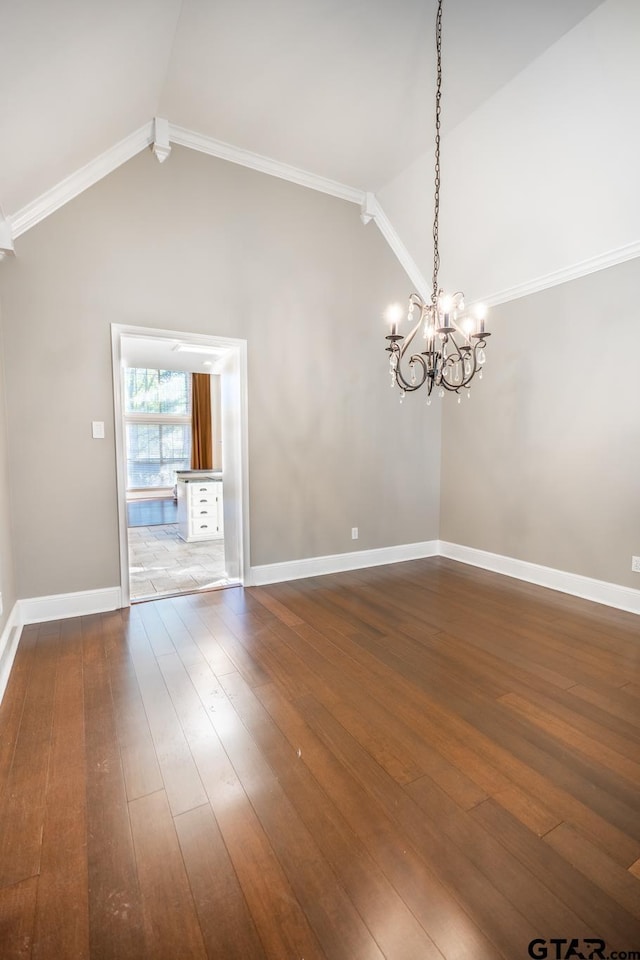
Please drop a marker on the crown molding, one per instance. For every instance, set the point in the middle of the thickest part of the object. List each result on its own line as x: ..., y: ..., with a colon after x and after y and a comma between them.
x: 6, y: 237
x: 161, y: 143
x: 160, y: 134
x: 371, y: 210
x: 274, y: 168
x: 81, y: 180
x: 573, y: 272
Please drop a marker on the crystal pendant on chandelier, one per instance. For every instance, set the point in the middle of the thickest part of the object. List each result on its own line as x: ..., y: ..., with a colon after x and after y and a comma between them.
x: 454, y: 335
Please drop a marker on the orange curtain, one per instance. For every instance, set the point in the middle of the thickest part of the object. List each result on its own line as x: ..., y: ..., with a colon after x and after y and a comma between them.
x: 201, y: 437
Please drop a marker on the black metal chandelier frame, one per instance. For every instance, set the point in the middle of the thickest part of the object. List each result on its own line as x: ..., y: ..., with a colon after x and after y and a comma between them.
x: 455, y: 337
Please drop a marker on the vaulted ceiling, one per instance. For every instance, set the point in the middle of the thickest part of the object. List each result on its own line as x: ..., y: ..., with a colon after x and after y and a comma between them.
x: 341, y: 88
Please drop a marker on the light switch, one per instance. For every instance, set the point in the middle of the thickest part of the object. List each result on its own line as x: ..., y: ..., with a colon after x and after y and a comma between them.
x: 97, y: 429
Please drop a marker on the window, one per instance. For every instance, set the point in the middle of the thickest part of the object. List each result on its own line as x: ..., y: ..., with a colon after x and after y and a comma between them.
x: 158, y: 426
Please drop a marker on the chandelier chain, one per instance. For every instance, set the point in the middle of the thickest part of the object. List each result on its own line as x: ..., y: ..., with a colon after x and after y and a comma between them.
x: 454, y: 335
x: 436, y: 199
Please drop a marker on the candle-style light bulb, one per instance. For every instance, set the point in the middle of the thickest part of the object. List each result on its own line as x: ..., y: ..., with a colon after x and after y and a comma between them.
x: 445, y: 306
x: 480, y: 310
x: 393, y: 315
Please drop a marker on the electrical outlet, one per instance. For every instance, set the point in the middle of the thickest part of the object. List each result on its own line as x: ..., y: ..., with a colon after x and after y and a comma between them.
x: 354, y: 533
x: 635, y: 564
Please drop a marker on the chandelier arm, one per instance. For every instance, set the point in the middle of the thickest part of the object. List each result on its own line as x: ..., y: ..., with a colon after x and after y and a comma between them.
x: 452, y: 387
x: 413, y: 359
x: 406, y: 343
x: 474, y: 363
x: 473, y: 359
x: 457, y: 353
x: 449, y: 361
x: 399, y: 350
x: 407, y: 384
x: 479, y: 345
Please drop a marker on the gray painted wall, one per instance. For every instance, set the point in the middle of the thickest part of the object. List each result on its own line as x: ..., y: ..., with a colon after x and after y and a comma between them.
x: 201, y: 245
x: 543, y: 463
x: 7, y: 584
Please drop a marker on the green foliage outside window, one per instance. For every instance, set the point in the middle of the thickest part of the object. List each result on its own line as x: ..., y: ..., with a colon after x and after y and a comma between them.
x: 158, y: 429
x: 157, y: 391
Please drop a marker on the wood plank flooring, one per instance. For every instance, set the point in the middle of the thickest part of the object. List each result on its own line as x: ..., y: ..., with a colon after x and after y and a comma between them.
x: 416, y: 762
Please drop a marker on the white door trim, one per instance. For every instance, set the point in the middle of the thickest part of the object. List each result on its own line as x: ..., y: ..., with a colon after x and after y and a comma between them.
x: 240, y: 424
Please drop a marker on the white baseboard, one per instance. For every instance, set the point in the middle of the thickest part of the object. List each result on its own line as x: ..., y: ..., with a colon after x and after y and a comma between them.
x: 86, y: 602
x: 8, y: 646
x: 610, y: 594
x: 83, y: 603
x: 599, y: 591
x: 339, y: 562
x: 60, y: 606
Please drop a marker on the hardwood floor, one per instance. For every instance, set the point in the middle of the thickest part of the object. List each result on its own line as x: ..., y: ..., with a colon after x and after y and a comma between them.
x: 416, y: 761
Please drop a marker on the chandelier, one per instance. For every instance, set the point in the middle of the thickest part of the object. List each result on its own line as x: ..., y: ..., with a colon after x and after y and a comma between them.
x: 455, y: 337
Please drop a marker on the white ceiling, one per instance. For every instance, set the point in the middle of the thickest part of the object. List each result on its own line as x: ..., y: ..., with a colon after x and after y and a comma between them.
x: 155, y: 353
x: 341, y: 88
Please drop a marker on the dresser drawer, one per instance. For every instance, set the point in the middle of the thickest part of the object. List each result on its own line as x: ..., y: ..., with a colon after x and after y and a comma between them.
x: 202, y: 489
x: 203, y: 527
x: 202, y: 500
x: 204, y: 510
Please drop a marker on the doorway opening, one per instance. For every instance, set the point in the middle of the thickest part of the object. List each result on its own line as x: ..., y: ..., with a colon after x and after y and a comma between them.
x: 182, y: 476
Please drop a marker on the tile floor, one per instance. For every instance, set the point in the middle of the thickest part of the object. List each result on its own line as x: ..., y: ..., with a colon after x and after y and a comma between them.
x: 161, y: 563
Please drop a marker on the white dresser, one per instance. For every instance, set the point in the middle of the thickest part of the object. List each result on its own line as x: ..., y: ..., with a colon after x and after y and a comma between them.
x: 200, y: 508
